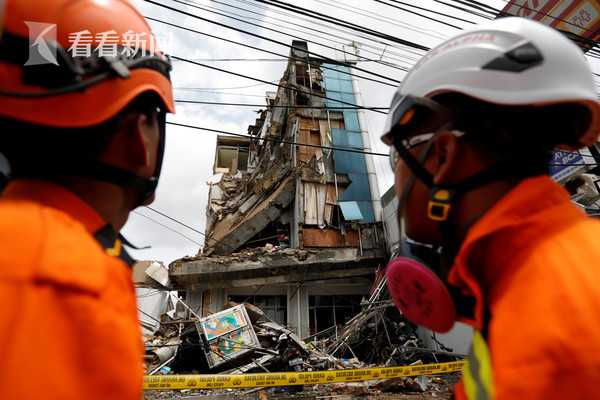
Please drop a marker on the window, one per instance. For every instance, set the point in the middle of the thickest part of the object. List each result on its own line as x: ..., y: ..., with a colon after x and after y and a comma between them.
x: 231, y: 159
x: 327, y: 311
x: 274, y: 307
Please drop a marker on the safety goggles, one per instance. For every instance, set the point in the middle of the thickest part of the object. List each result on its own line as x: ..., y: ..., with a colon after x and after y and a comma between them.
x: 409, y: 144
x: 412, y: 116
x: 411, y: 122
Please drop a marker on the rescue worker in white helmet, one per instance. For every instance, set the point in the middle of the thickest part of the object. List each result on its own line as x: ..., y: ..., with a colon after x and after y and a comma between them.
x: 471, y: 131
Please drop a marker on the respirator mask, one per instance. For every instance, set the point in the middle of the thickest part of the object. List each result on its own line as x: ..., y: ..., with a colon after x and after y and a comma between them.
x: 417, y: 276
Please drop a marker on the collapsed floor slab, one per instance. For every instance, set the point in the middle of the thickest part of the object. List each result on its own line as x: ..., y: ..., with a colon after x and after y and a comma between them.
x: 283, y: 266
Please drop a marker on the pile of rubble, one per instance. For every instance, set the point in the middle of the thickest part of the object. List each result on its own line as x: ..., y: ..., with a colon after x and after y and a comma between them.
x: 242, y: 339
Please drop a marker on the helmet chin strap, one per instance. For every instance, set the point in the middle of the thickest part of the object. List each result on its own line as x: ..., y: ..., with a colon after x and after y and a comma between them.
x: 144, y: 188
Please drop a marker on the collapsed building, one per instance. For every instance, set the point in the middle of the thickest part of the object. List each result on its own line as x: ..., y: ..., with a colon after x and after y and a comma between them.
x: 294, y: 212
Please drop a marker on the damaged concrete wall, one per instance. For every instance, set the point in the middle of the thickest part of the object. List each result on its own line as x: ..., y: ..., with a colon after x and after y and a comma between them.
x: 281, y: 223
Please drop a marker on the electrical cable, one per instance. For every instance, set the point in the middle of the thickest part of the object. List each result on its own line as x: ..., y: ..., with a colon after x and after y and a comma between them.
x: 206, y: 91
x: 240, y: 59
x: 275, y: 41
x: 340, y: 22
x: 332, y: 148
x: 284, y: 57
x: 168, y: 228
x: 433, y: 12
x: 174, y: 220
x: 591, y: 52
x: 478, y: 6
x: 213, y: 89
x: 370, y: 14
x: 348, y: 150
x: 345, y: 39
x: 274, y: 84
x: 523, y: 7
x: 361, y: 58
x: 274, y: 30
x: 325, y: 24
x: 251, y: 47
x: 466, y: 10
x: 276, y: 106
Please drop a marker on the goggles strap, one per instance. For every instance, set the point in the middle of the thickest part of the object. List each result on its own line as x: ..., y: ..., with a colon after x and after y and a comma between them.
x: 408, y: 188
x: 415, y: 166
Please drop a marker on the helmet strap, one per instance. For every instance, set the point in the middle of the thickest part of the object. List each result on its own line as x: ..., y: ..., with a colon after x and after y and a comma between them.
x: 444, y: 197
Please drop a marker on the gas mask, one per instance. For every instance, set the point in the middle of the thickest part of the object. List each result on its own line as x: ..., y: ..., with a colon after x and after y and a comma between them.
x: 418, y: 289
x: 417, y: 277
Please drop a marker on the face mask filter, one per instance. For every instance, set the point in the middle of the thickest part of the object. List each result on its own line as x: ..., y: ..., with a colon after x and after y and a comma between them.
x: 419, y: 292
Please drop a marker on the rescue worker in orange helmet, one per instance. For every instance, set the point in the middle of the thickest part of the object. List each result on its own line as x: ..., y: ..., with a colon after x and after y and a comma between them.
x: 471, y: 131
x: 84, y: 135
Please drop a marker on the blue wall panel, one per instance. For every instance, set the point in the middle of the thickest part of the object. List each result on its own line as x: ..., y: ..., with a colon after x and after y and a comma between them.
x: 338, y: 86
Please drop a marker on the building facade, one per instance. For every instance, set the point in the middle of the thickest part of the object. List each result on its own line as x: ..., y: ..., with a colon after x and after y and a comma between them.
x: 294, y: 214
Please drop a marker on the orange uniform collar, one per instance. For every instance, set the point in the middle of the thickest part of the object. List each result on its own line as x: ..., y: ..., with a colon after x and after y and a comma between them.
x: 533, y: 209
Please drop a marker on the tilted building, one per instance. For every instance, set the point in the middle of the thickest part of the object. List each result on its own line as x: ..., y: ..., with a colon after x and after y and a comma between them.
x: 294, y: 214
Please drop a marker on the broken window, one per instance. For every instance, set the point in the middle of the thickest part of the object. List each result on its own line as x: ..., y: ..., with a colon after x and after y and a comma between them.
x: 275, y: 307
x: 231, y: 159
x: 328, y: 311
x: 301, y: 74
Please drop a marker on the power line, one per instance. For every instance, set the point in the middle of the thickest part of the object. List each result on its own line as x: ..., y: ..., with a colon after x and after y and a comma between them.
x: 173, y: 219
x: 211, y: 89
x: 523, y: 7
x: 349, y: 150
x: 277, y: 42
x: 304, y: 26
x: 241, y: 59
x: 254, y: 48
x: 478, y: 6
x: 245, y: 18
x: 207, y: 91
x: 381, y: 18
x: 167, y: 227
x: 324, y: 24
x: 274, y: 84
x: 468, y: 11
x: 275, y: 140
x: 270, y: 29
x: 425, y: 16
x: 276, y: 106
x: 340, y: 22
x: 282, y: 55
x: 268, y: 139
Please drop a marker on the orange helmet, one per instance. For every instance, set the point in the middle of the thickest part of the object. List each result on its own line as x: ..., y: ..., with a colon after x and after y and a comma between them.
x: 77, y: 63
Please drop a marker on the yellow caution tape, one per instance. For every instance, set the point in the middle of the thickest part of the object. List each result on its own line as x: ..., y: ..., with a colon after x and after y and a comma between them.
x: 173, y: 382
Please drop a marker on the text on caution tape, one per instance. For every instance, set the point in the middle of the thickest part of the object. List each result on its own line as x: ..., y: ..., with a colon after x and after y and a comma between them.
x: 175, y: 382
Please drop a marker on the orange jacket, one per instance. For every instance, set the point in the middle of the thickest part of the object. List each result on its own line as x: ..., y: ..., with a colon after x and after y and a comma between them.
x: 533, y: 261
x: 68, y: 326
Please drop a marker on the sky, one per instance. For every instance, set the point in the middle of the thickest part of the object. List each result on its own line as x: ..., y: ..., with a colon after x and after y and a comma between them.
x: 183, y: 191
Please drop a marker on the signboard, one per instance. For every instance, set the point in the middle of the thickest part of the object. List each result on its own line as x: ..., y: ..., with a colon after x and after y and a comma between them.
x: 565, y: 165
x: 229, y: 335
x: 579, y: 17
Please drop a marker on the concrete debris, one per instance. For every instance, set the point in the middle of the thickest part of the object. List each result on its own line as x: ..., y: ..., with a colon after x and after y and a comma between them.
x: 241, y: 339
x: 151, y: 274
x: 272, y: 264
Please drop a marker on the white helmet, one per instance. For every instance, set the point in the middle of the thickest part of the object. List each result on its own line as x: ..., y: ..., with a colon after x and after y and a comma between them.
x: 509, y: 61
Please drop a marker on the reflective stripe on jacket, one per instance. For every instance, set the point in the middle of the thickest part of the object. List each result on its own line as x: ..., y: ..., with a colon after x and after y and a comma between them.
x: 534, y: 260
